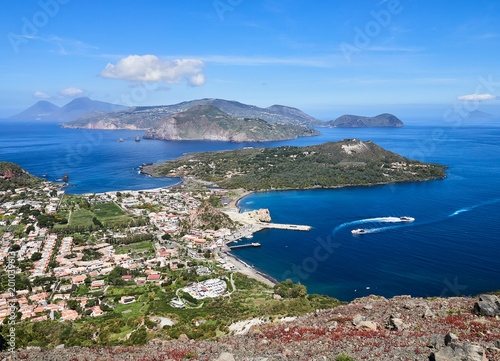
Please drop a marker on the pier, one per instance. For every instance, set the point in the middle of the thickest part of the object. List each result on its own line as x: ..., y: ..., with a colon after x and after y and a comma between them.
x: 293, y: 227
x: 250, y: 229
x: 246, y: 245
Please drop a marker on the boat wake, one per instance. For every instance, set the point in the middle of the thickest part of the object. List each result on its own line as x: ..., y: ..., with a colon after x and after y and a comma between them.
x: 402, y: 223
x: 372, y: 220
x: 471, y: 208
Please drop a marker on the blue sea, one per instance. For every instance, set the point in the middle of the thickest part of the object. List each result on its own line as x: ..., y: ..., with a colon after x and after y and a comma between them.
x: 452, y: 248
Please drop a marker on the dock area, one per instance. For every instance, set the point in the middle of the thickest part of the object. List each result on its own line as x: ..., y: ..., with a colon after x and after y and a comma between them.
x: 245, y: 245
x: 256, y: 221
x: 249, y: 229
x: 293, y: 227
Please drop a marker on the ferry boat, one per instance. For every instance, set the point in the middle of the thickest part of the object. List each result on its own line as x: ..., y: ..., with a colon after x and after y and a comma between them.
x: 406, y: 219
x: 358, y: 231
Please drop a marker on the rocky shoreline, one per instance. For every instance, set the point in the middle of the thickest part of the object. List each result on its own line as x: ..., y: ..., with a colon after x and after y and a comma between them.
x: 370, y: 328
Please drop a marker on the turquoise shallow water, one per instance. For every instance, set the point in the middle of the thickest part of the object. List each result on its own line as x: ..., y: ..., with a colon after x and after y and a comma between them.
x: 452, y: 248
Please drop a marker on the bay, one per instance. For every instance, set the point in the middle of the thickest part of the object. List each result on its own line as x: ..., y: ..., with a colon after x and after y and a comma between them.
x: 452, y: 247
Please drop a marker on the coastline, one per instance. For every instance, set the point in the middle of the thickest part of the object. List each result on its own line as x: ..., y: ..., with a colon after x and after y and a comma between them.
x: 240, y: 265
x: 244, y: 268
x: 261, y: 276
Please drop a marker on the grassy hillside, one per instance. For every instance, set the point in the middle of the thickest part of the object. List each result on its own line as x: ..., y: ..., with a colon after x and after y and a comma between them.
x: 348, y: 162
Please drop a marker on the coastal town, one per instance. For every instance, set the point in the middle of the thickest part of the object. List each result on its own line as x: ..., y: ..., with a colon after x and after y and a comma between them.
x: 68, y: 250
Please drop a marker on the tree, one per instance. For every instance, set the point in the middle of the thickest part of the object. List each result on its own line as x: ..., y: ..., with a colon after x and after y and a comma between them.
x: 3, y: 343
x: 73, y: 304
x: 288, y: 289
x: 36, y: 256
x: 166, y: 237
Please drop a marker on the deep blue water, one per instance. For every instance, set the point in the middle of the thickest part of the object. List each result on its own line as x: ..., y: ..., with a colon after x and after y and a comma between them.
x: 452, y: 248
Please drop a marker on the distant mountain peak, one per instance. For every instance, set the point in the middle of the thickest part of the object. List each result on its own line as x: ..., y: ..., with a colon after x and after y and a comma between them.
x: 478, y: 114
x: 40, y: 110
x: 44, y: 110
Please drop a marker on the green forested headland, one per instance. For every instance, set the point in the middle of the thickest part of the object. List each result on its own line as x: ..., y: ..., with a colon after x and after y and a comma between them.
x: 348, y: 162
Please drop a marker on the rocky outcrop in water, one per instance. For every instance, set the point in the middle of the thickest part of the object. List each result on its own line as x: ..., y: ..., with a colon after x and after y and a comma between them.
x: 260, y: 215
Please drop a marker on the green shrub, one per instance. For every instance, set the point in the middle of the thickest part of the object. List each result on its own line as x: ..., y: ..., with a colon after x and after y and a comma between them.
x: 344, y: 357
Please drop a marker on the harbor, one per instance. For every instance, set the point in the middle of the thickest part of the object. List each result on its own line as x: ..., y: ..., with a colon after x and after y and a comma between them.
x: 248, y: 230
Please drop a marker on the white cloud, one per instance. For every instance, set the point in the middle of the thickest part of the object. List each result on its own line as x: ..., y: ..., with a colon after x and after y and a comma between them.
x: 477, y: 97
x: 71, y: 92
x: 148, y: 68
x: 41, y: 95
x: 197, y: 80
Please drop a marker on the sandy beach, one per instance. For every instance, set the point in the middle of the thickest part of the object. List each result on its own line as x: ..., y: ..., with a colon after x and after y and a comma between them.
x: 250, y: 272
x: 234, y: 212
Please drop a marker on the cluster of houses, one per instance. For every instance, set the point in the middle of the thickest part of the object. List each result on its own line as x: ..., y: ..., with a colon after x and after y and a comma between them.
x: 398, y: 166
x: 71, y: 271
x: 47, y: 198
x: 211, y: 288
x: 38, y: 307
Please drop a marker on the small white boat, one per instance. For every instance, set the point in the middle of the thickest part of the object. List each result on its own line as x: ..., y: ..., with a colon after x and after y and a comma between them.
x: 406, y: 219
x: 358, y: 231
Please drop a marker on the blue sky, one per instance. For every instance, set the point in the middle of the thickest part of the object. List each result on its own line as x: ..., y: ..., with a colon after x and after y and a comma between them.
x: 324, y: 57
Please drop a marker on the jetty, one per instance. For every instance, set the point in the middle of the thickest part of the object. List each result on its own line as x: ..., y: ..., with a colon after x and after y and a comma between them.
x: 249, y: 229
x: 293, y: 227
x: 245, y: 245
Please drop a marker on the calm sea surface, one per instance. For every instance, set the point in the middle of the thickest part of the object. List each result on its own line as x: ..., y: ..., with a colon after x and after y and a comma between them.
x: 452, y: 248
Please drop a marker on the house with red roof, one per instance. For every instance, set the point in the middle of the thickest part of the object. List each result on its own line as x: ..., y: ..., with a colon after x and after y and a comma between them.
x: 154, y: 277
x: 70, y: 315
x: 96, y: 311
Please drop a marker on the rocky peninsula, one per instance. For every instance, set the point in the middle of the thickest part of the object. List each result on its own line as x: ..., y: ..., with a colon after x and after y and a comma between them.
x: 350, y: 162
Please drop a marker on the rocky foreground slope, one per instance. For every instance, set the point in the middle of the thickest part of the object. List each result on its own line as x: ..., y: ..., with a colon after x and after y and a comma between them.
x: 371, y: 328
